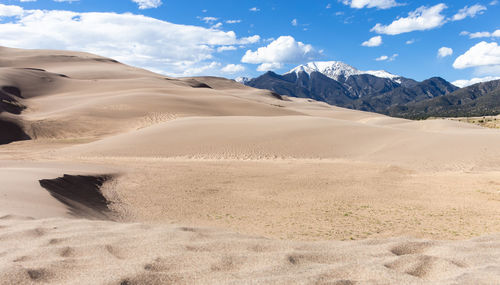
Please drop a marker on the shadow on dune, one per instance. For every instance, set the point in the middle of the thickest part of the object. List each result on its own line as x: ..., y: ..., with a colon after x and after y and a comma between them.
x: 11, y: 132
x: 8, y: 102
x: 197, y: 84
x: 81, y: 194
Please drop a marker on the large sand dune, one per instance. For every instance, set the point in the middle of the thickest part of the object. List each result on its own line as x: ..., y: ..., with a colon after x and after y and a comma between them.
x: 177, y: 163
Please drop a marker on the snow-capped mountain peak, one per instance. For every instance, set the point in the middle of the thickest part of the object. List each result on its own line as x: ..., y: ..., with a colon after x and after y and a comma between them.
x: 242, y: 80
x: 338, y: 69
x: 332, y: 69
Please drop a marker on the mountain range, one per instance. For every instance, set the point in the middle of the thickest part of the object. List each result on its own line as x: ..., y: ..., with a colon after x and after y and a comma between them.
x: 379, y: 91
x: 481, y: 99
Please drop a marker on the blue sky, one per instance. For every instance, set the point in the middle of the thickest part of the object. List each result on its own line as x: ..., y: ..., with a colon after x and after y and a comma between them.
x: 457, y: 40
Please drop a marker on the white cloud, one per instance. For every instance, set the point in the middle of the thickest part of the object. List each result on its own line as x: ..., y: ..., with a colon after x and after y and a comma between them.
x: 381, y: 4
x: 269, y: 66
x: 444, y: 52
x: 482, y: 54
x: 283, y: 50
x: 233, y: 21
x: 387, y: 58
x: 249, y: 40
x: 147, y: 4
x: 495, y: 34
x: 410, y: 42
x: 133, y: 39
x: 209, y: 20
x: 494, y: 2
x: 226, y: 48
x: 208, y: 67
x: 373, y: 42
x: 479, y: 35
x: 467, y: 82
x: 233, y: 68
x: 217, y: 26
x: 254, y: 9
x: 10, y: 10
x: 295, y: 22
x: 471, y: 11
x: 328, y: 6
x: 423, y: 18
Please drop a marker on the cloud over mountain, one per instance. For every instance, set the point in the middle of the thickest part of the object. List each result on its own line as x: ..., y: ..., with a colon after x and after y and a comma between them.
x: 283, y: 50
x: 467, y: 82
x: 480, y: 55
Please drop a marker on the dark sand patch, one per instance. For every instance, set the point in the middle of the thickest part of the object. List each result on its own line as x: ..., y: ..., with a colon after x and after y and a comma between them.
x: 81, y: 194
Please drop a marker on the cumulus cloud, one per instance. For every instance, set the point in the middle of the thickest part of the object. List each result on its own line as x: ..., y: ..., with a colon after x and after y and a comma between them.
x: 479, y: 35
x: 373, y: 42
x: 147, y: 4
x: 410, y: 42
x: 254, y: 9
x: 283, y: 50
x: 10, y: 10
x: 444, y: 52
x: 483, y: 54
x: 233, y: 68
x: 226, y: 48
x: 495, y: 34
x: 233, y: 21
x: 423, y: 18
x: 387, y: 58
x: 133, y: 39
x: 295, y: 22
x: 380, y: 4
x: 467, y: 11
x: 467, y: 82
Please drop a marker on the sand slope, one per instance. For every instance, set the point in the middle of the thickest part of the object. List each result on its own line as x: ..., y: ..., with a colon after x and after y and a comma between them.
x: 62, y: 251
x: 187, y: 161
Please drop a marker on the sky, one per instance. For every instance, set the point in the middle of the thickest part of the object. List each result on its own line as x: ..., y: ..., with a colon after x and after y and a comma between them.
x: 456, y: 40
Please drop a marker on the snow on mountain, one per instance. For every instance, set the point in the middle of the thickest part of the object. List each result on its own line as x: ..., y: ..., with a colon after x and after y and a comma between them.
x: 338, y: 69
x: 383, y: 74
x: 242, y: 80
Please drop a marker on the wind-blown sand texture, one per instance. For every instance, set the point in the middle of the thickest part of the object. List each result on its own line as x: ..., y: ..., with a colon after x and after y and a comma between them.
x: 115, y: 175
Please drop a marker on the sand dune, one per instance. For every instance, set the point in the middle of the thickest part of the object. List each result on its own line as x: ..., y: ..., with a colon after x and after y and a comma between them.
x: 172, y: 166
x: 304, y: 137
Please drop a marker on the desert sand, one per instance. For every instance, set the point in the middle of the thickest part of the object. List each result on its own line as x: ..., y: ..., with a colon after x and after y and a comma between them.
x: 112, y: 174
